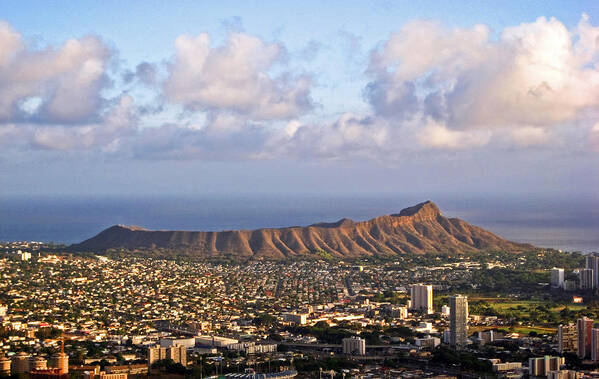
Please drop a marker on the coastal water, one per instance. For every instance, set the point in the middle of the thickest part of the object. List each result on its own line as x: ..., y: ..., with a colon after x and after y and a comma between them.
x: 571, y: 225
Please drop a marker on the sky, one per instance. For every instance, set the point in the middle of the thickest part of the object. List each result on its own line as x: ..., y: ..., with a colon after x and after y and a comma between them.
x: 154, y: 97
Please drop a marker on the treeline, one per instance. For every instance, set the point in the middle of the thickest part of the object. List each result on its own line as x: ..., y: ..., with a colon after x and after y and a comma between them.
x: 335, y: 334
x: 461, y: 360
x: 508, y: 280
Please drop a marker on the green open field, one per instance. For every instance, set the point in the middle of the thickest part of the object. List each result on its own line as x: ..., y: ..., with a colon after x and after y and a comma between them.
x: 540, y: 316
x: 504, y: 303
x: 510, y: 304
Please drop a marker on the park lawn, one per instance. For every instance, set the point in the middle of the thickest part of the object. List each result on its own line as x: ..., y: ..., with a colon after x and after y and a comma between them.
x: 531, y: 304
x: 524, y: 308
x: 572, y: 307
x: 527, y: 329
x: 504, y: 303
x: 512, y: 305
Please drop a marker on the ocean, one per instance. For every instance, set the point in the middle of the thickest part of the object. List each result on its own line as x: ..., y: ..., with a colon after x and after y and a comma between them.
x: 570, y: 224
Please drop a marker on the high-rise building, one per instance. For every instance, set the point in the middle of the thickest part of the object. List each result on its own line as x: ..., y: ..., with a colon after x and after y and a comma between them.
x: 584, y: 328
x: 354, y: 346
x: 587, y: 279
x: 592, y: 263
x: 5, y: 364
x: 61, y: 360
x: 595, y: 345
x: 446, y: 336
x: 177, y: 353
x: 458, y: 321
x: 38, y: 363
x: 557, y: 277
x: 156, y: 353
x: 20, y: 363
x: 422, y: 298
x: 570, y: 285
x: 542, y: 366
x: 567, y: 338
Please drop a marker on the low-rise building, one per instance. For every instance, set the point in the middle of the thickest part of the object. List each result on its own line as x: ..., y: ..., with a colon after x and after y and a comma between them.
x: 428, y: 342
x: 565, y: 374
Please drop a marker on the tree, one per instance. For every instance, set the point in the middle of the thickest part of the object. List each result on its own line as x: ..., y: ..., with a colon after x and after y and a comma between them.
x: 264, y: 319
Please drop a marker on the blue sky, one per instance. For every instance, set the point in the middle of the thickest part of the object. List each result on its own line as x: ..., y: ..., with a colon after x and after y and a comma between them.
x: 338, y: 96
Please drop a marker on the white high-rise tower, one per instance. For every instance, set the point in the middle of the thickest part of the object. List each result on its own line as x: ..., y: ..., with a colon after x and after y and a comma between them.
x: 458, y: 321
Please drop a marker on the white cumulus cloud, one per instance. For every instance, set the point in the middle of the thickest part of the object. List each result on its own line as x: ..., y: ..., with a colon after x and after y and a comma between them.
x: 52, y: 84
x: 534, y: 77
x: 235, y: 77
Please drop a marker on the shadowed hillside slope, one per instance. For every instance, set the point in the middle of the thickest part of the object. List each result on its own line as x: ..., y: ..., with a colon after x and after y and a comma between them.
x: 419, y: 229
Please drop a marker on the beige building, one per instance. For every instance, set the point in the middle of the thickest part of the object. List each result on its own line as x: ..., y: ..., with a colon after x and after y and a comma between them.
x: 156, y: 353
x: 567, y: 338
x: 133, y: 369
x: 104, y: 375
x: 61, y: 362
x: 544, y: 365
x: 565, y: 374
x: 421, y: 296
x: 38, y: 363
x: 5, y: 364
x: 507, y: 366
x: 177, y: 353
x: 20, y: 363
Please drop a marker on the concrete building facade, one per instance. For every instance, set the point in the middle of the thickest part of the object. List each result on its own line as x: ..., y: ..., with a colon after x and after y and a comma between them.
x: 421, y: 296
x: 584, y: 328
x: 567, y: 338
x: 354, y: 346
x: 458, y: 321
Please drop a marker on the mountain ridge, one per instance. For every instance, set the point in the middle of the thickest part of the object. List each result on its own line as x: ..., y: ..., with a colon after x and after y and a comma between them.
x: 419, y: 229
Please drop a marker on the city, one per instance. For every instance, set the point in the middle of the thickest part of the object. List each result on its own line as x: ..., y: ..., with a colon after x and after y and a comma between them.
x: 267, y: 189
x: 114, y: 315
